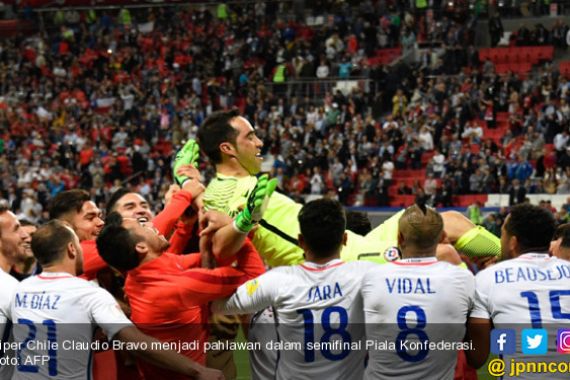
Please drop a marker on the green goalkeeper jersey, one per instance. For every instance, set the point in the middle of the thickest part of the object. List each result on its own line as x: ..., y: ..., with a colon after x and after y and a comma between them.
x: 276, y: 237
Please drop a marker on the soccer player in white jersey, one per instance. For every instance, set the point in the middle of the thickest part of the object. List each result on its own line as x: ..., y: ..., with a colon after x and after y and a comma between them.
x: 9, y: 284
x: 415, y: 300
x: 528, y: 289
x: 12, y: 247
x: 317, y: 305
x: 55, y: 315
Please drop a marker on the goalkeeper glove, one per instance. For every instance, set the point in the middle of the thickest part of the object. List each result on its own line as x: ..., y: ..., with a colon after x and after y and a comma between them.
x: 188, y: 155
x: 256, y: 204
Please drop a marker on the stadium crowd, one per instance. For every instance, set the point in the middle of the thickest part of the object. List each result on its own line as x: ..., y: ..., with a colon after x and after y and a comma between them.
x: 101, y: 112
x: 102, y: 99
x: 168, y: 295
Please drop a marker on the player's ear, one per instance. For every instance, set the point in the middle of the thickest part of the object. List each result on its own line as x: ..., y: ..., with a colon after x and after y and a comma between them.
x: 344, y: 238
x: 71, y: 250
x: 227, y: 148
x: 142, y: 249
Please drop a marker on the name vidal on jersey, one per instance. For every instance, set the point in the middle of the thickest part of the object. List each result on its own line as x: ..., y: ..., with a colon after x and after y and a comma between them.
x: 324, y: 292
x: 37, y: 301
x: 409, y: 285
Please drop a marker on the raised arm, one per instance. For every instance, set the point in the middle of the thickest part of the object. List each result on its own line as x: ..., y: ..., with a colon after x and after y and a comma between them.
x: 202, y: 285
x: 254, y: 295
x: 181, y: 200
x: 228, y: 236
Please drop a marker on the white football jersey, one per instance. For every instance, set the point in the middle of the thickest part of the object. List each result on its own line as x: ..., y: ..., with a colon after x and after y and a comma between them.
x: 9, y: 284
x: 530, y: 291
x: 319, y: 315
x: 54, y: 316
x: 407, y: 303
x: 262, y: 330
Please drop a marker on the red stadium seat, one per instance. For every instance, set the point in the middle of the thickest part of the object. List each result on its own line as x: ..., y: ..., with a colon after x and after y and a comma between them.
x: 402, y: 200
x: 484, y: 55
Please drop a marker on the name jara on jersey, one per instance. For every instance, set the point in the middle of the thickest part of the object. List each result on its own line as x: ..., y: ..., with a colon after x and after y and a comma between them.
x: 409, y: 285
x: 324, y: 292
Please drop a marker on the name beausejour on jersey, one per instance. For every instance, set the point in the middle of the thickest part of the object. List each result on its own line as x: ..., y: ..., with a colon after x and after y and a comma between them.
x: 530, y: 274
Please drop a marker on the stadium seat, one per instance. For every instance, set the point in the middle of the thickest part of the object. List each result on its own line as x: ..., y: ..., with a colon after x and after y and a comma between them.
x: 402, y: 200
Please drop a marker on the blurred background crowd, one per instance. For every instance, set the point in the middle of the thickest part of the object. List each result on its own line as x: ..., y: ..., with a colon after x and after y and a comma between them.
x: 365, y: 101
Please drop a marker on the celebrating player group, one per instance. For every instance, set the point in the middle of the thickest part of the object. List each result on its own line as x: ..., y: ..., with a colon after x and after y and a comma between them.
x: 425, y: 295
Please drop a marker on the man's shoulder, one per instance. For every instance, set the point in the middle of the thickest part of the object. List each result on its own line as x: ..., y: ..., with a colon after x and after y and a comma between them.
x: 458, y: 272
x: 60, y: 283
x: 490, y: 271
x: 9, y: 286
x: 5, y: 278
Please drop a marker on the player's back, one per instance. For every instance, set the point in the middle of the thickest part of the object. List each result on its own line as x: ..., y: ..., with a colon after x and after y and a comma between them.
x: 531, y: 291
x: 54, y: 317
x: 319, y: 315
x: 408, y: 302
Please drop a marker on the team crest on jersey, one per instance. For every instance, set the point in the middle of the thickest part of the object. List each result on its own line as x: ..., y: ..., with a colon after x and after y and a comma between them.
x: 392, y: 254
x: 251, y: 287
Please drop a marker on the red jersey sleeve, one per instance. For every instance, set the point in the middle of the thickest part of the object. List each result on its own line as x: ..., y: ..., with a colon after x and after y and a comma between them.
x: 203, y: 285
x: 180, y: 237
x: 92, y: 262
x: 189, y: 261
x: 167, y: 218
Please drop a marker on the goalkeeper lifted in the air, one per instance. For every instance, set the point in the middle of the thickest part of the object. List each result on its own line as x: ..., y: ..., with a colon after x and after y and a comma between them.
x: 230, y: 142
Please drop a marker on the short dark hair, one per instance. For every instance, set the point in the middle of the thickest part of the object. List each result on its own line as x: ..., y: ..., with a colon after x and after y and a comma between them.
x: 118, y: 194
x: 533, y: 226
x: 563, y: 231
x: 560, y: 230
x: 322, y: 223
x: 49, y: 242
x: 116, y: 244
x: 67, y: 201
x: 216, y: 130
x: 26, y: 223
x: 358, y: 222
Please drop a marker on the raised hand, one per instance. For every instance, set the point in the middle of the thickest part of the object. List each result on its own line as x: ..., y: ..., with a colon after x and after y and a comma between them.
x: 256, y: 204
x: 188, y: 155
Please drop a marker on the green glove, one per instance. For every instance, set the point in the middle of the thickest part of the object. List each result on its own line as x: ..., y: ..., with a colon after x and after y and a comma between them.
x: 189, y: 154
x: 256, y: 204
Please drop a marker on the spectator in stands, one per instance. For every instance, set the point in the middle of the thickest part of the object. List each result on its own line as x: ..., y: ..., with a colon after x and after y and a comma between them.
x: 438, y: 164
x: 79, y: 124
x: 476, y: 182
x: 473, y: 133
x: 430, y: 185
x: 399, y: 103
x: 495, y: 29
x: 493, y: 223
x: 317, y: 182
x: 517, y: 193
